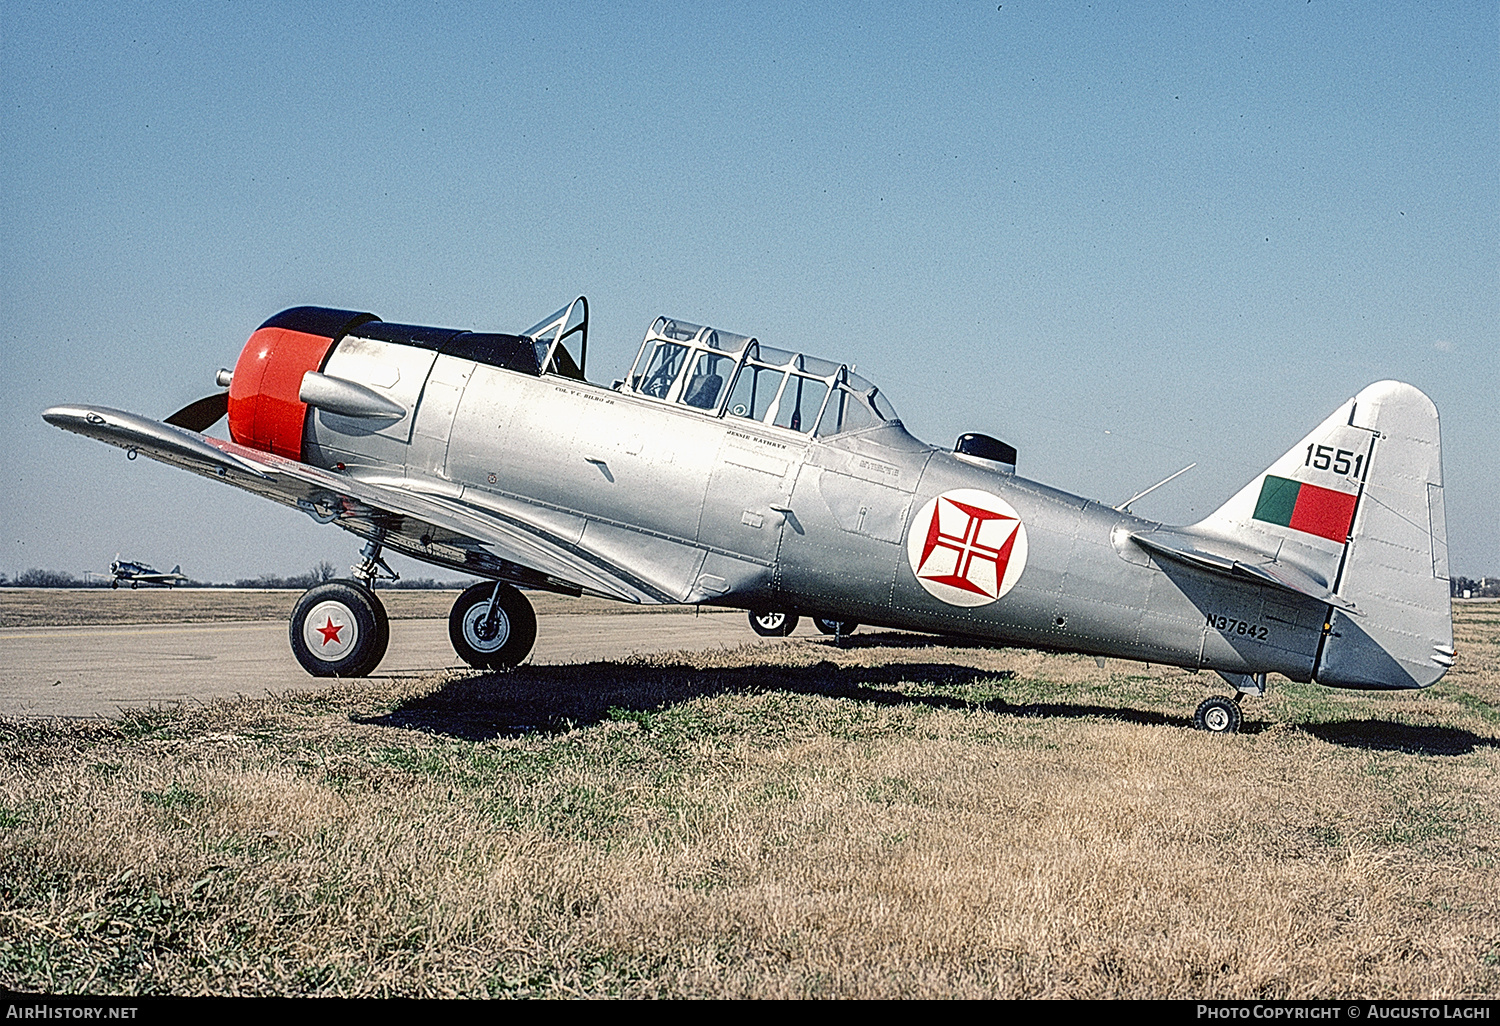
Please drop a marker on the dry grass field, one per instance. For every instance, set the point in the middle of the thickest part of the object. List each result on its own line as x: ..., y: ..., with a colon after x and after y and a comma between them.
x: 891, y: 818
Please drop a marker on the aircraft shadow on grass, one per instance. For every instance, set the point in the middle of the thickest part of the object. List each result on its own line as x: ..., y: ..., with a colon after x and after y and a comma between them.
x: 1388, y: 735
x: 532, y: 699
x: 554, y: 699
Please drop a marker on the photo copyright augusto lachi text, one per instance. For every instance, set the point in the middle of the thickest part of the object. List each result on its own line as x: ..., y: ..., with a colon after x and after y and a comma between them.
x: 1347, y: 1012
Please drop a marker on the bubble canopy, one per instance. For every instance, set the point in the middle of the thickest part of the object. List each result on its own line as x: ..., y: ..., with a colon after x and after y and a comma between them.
x: 735, y: 376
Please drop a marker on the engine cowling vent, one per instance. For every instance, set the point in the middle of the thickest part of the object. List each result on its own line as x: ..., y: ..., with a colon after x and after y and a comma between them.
x: 986, y: 451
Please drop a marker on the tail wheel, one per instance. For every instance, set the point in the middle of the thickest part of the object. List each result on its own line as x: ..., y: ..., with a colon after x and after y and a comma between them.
x: 489, y: 641
x: 773, y: 623
x: 339, y: 629
x: 1218, y: 715
x: 835, y: 627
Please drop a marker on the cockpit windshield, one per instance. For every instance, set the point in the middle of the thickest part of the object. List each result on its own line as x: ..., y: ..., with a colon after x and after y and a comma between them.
x: 553, y: 335
x: 731, y: 375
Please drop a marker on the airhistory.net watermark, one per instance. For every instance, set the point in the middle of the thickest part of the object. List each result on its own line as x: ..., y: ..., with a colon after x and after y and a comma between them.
x: 40, y: 1011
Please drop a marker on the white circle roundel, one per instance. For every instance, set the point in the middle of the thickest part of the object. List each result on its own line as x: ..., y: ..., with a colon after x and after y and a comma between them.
x: 967, y: 547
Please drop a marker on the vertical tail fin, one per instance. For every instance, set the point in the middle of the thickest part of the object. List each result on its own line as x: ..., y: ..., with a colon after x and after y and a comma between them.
x: 1358, y: 505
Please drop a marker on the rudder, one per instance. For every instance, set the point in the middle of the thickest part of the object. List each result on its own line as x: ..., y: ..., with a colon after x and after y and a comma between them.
x: 1396, y: 567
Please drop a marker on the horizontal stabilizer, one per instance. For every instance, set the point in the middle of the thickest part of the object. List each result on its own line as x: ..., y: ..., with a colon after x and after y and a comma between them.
x: 1239, y: 562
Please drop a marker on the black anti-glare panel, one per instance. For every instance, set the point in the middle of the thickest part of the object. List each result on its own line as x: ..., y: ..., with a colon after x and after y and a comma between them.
x: 513, y: 352
x: 320, y: 320
x: 408, y: 334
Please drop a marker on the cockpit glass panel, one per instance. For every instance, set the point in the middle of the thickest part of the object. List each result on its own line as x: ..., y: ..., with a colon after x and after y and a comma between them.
x: 542, y: 344
x: 846, y: 411
x: 557, y: 336
x: 665, y: 364
x: 553, y: 321
x: 817, y: 367
x: 727, y: 341
x: 755, y: 391
x: 800, y: 401
x: 883, y: 406
x: 682, y: 331
x: 774, y: 357
x: 707, y: 381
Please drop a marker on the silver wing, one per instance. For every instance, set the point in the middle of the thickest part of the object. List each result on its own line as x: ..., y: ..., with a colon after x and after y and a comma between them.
x: 512, y: 541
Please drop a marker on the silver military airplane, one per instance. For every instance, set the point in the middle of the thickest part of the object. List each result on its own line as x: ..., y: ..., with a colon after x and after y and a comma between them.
x: 723, y: 471
x: 137, y: 574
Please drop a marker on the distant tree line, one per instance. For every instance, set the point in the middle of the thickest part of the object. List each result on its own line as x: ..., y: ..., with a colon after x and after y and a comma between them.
x: 35, y: 578
x: 324, y: 571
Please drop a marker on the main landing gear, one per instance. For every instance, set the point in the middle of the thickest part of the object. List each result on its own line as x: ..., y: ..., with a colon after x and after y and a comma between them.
x: 341, y: 629
x: 779, y: 623
x: 492, y: 626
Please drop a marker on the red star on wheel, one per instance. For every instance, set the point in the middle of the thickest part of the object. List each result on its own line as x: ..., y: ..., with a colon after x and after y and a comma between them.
x: 330, y: 631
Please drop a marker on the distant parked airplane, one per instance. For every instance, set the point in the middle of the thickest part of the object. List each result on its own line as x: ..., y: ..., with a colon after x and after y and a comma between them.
x: 138, y: 574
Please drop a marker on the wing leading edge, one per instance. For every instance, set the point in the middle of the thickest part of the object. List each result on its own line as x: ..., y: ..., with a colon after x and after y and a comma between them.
x: 517, y: 544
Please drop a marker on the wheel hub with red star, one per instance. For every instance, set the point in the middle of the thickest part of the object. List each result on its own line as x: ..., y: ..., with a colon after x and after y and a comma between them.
x: 330, y: 631
x: 967, y: 547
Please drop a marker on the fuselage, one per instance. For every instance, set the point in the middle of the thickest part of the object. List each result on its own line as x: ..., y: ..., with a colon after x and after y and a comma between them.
x: 709, y: 508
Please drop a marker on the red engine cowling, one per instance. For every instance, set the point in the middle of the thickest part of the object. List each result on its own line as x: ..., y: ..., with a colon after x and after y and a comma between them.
x: 264, y: 409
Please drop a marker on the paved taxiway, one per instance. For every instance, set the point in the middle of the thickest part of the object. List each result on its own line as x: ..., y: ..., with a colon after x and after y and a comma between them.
x: 100, y: 670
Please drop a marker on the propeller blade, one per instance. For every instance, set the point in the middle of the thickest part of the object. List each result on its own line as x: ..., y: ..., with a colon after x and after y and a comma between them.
x: 203, y: 414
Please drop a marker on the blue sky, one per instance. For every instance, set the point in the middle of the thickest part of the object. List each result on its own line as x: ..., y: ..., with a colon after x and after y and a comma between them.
x: 1122, y: 237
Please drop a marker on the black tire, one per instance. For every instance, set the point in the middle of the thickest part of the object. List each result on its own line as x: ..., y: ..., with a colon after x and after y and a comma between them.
x: 321, y: 619
x: 834, y: 627
x: 135, y: 584
x: 500, y: 645
x: 1218, y: 715
x: 115, y: 583
x: 773, y: 623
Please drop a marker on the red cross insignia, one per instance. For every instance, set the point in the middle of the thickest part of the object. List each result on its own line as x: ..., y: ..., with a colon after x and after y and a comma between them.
x: 967, y: 547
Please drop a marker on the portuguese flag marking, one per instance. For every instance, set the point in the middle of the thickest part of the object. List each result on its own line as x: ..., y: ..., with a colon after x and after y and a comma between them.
x: 1304, y: 507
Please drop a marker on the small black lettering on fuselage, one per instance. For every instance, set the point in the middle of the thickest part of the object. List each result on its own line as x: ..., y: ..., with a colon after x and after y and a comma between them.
x: 1229, y: 625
